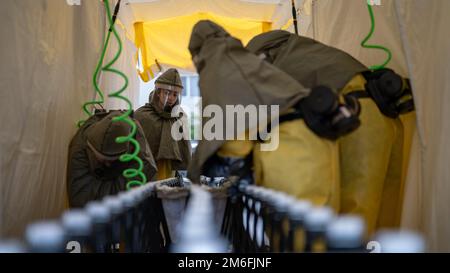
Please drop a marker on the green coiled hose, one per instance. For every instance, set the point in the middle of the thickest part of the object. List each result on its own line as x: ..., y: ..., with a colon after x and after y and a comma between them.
x: 363, y: 43
x: 131, y: 173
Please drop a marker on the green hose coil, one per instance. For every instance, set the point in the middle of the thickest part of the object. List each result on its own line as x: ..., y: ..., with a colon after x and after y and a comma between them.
x: 130, y: 174
x: 363, y: 43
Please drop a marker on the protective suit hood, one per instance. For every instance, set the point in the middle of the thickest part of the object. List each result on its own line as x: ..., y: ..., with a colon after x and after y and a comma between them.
x: 204, y: 30
x: 308, y: 61
x: 89, y: 179
x: 269, y: 40
x: 170, y: 80
x: 101, y: 136
x: 230, y: 75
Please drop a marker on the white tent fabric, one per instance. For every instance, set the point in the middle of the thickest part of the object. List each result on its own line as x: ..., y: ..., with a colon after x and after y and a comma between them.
x: 44, y: 80
x: 49, y: 51
x: 344, y: 24
x: 282, y: 16
x: 424, y: 25
x: 126, y: 63
x: 147, y: 11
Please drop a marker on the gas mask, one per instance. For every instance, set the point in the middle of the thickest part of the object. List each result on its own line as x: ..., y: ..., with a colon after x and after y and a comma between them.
x: 390, y: 91
x: 327, y: 116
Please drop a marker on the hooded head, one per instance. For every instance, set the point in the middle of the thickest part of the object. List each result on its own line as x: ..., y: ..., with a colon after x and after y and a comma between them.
x: 101, y: 138
x: 168, y: 88
x: 170, y: 80
x: 308, y: 61
x: 202, y: 31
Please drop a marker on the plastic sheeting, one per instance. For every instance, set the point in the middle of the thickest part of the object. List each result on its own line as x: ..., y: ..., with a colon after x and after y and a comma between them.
x: 49, y: 51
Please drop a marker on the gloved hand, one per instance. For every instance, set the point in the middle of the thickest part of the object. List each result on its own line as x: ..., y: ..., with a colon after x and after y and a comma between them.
x: 217, y: 166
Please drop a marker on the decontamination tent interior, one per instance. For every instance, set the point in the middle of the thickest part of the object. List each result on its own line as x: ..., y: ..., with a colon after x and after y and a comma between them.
x: 49, y: 50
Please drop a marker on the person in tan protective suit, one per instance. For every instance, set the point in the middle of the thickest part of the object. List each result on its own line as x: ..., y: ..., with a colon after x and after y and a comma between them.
x: 157, y: 121
x: 305, y: 163
x: 370, y: 157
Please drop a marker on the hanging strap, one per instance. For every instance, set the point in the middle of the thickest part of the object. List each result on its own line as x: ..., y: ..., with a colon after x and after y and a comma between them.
x: 114, y: 17
x: 294, y: 16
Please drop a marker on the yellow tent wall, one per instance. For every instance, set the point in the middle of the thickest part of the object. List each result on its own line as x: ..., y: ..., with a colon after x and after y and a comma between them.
x: 165, y: 42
